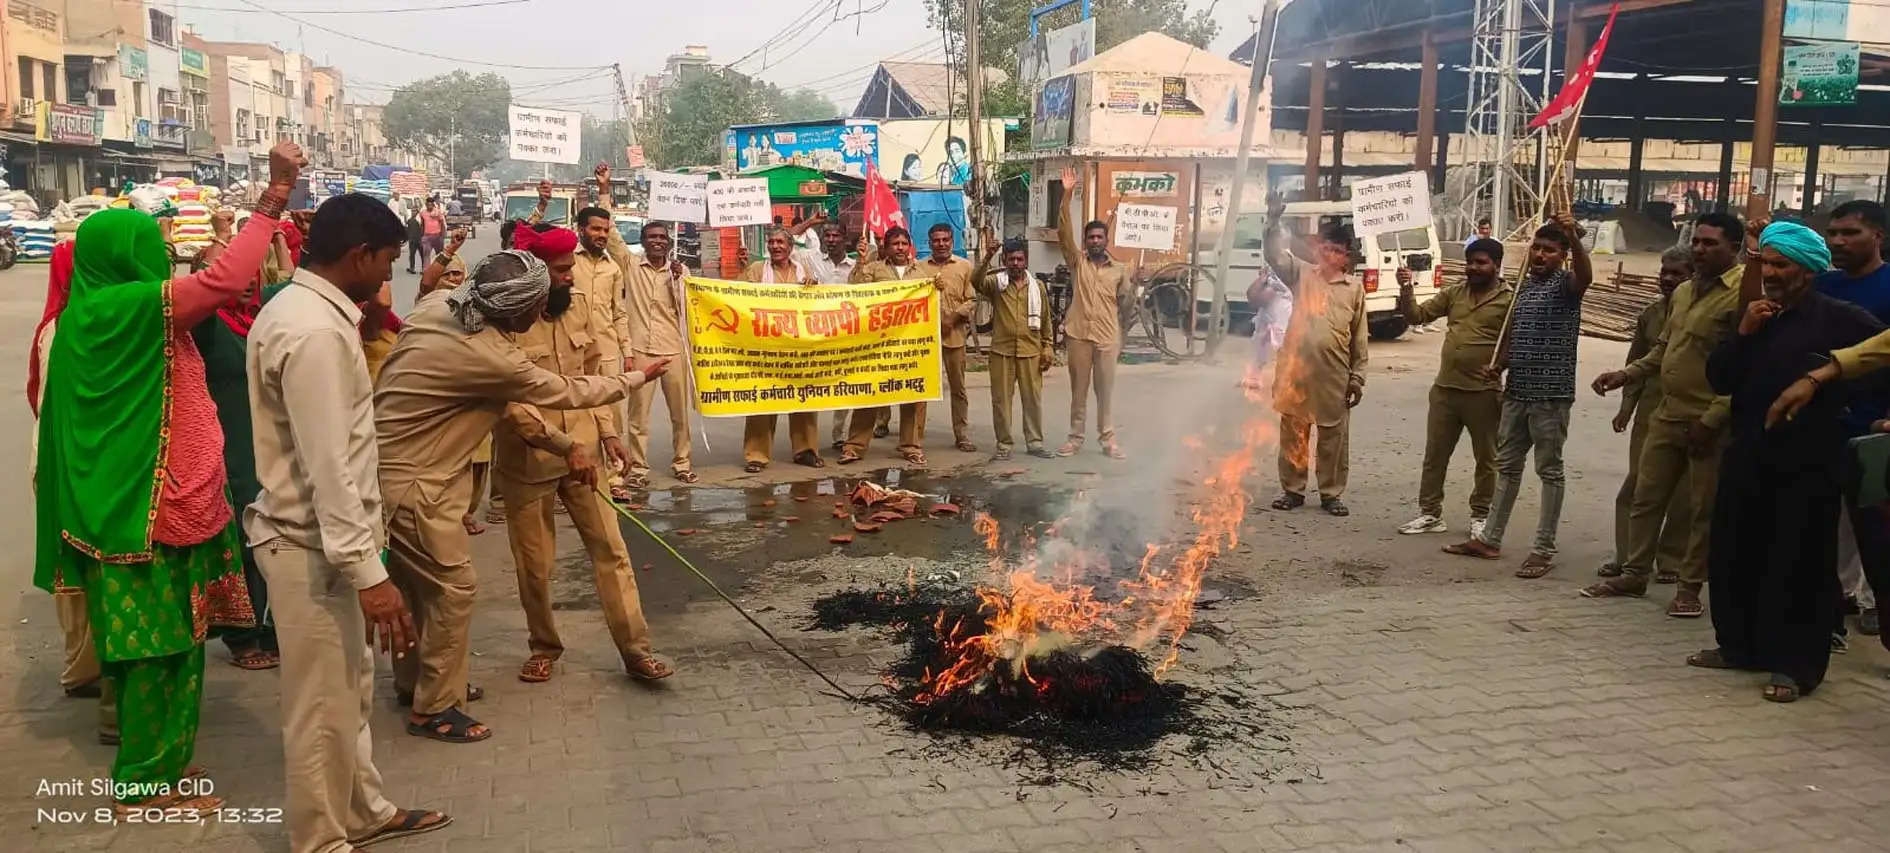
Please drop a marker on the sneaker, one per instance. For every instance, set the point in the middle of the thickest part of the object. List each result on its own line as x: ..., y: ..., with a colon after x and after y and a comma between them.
x: 1423, y: 524
x: 1867, y: 622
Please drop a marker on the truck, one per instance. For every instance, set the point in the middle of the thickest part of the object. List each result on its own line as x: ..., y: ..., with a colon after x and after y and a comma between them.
x: 522, y: 198
x: 1374, y: 261
x: 472, y: 204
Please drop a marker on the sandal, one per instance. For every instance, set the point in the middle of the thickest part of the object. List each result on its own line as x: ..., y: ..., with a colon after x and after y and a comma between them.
x: 967, y: 447
x: 635, y: 483
x: 473, y: 694
x: 1534, y: 566
x: 472, y: 525
x: 1616, y: 588
x: 1042, y: 452
x: 1069, y: 448
x: 848, y: 457
x: 449, y: 726
x: 809, y: 459
x: 1286, y: 500
x: 495, y: 516
x: 1666, y: 576
x: 1474, y: 548
x: 256, y: 659
x: 881, y: 431
x: 686, y: 476
x: 1609, y: 570
x: 1003, y: 454
x: 914, y: 456
x: 1782, y: 689
x: 1112, y: 451
x: 1686, y: 604
x: 536, y: 669
x: 404, y: 823
x: 649, y: 669
x: 1711, y: 659
x: 1333, y: 506
x: 754, y: 467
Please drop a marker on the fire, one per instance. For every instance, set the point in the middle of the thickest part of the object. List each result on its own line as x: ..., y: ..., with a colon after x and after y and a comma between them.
x: 1034, y: 609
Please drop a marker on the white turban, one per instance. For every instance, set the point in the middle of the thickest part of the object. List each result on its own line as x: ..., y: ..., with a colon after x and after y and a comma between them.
x: 476, y: 301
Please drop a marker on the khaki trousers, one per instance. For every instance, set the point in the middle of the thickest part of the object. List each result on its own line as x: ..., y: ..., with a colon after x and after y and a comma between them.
x: 1091, y: 364
x: 481, y: 485
x: 1010, y: 373
x: 911, y: 427
x: 636, y: 429
x: 1332, y: 465
x: 1673, y: 528
x: 529, y: 524
x: 81, y: 660
x: 758, y: 435
x: 840, y: 423
x: 961, y: 401
x: 327, y: 683
x: 441, y: 598
x: 1666, y: 467
x: 1452, y: 412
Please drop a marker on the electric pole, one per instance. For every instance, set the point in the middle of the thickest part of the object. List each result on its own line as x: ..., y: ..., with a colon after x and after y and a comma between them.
x: 1765, y: 119
x: 1224, y: 247
x: 974, y: 77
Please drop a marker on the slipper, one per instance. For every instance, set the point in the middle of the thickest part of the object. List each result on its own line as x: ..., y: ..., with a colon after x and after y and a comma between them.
x: 809, y: 459
x: 448, y: 726
x: 686, y: 476
x: 754, y: 467
x: 967, y: 447
x: 620, y: 494
x: 256, y: 660
x: 1781, y: 689
x: 1113, y: 452
x: 1474, y: 548
x: 848, y: 457
x: 1069, y: 448
x: 915, y: 457
x: 649, y: 669
x: 1289, y: 501
x: 472, y: 525
x: 1534, y: 566
x: 1042, y: 453
x: 1616, y: 588
x: 1711, y: 659
x: 406, y: 823
x: 536, y: 669
x: 1003, y: 454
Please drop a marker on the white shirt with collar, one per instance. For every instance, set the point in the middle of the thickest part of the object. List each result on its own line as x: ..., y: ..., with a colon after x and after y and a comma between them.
x: 824, y: 269
x: 312, y: 408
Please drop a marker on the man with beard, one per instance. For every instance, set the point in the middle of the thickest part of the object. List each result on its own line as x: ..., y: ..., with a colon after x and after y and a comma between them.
x: 1855, y: 236
x: 1687, y: 434
x: 1463, y: 398
x: 952, y: 275
x: 780, y: 267
x: 1320, y: 376
x: 1538, y: 351
x: 544, y: 457
x: 442, y: 390
x: 896, y: 265
x: 1774, y: 574
x: 1093, y: 327
x: 1638, y: 401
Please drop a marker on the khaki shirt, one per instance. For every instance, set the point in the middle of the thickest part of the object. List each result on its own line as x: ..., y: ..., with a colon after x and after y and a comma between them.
x: 1011, y: 334
x: 655, y: 321
x: 1696, y: 325
x: 1096, y: 294
x: 877, y: 270
x: 1638, y: 398
x: 1325, y: 350
x: 956, y: 299
x: 1470, y: 341
x: 1869, y: 356
x: 599, y: 278
x: 442, y: 391
x: 530, y: 445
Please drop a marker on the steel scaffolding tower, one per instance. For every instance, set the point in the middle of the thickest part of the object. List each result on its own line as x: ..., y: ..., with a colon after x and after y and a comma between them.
x: 1511, y: 63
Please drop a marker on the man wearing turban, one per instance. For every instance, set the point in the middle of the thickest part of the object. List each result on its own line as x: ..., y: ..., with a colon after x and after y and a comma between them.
x: 1773, y: 563
x: 546, y: 456
x: 442, y: 390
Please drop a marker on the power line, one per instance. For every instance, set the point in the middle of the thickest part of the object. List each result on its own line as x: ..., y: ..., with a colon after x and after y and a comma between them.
x: 803, y: 20
x: 854, y: 75
x: 386, y: 46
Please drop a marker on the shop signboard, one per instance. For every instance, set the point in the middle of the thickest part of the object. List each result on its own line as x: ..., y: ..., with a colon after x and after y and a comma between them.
x: 69, y: 124
x: 1819, y: 75
x: 840, y: 146
x: 133, y: 63
x: 194, y: 62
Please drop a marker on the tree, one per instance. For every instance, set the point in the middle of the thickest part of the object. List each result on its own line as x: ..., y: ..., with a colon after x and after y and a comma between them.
x: 456, y: 118
x: 1006, y: 24
x: 688, y: 129
x: 806, y: 105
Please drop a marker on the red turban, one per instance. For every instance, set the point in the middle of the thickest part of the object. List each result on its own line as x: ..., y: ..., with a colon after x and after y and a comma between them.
x: 546, y: 245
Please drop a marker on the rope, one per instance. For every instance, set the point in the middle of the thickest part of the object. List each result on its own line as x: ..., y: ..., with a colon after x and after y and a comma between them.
x: 719, y: 593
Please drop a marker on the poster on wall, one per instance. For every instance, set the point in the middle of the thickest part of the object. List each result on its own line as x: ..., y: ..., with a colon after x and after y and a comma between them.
x: 1055, y: 107
x: 933, y: 151
x: 1175, y: 98
x: 845, y: 147
x: 1133, y: 96
x: 1819, y: 75
x: 545, y: 136
x: 1050, y: 54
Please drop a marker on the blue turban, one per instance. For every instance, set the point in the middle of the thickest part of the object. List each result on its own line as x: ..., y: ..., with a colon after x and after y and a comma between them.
x: 1800, y: 245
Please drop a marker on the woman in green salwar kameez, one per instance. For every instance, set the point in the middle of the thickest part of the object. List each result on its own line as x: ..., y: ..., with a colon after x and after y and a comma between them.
x: 132, y: 499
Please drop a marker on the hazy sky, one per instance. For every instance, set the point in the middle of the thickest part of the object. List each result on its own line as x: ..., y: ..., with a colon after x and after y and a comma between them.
x: 573, y: 33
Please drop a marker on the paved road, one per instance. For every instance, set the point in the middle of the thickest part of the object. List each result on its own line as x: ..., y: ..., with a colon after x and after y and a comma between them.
x: 1419, y: 702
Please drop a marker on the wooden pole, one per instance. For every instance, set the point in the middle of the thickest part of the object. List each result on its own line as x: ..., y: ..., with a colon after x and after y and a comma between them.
x: 1315, y: 126
x: 974, y: 99
x: 1427, y: 105
x: 1764, y: 124
x: 1224, y: 247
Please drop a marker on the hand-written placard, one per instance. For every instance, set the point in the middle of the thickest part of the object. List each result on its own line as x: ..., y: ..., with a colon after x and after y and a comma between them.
x: 545, y: 136
x: 1392, y: 203
x: 741, y: 201
x: 677, y: 197
x: 1145, y: 226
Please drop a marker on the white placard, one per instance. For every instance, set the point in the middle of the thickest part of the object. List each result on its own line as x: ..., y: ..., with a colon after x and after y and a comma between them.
x: 740, y: 201
x: 677, y: 197
x: 545, y: 136
x: 1145, y: 226
x: 1391, y: 203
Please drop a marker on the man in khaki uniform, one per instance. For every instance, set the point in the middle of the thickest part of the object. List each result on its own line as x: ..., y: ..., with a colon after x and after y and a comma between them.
x: 896, y: 266
x: 1689, y: 427
x: 1321, y: 373
x: 780, y: 267
x: 1093, y: 328
x: 547, y: 456
x: 1020, y: 344
x: 1463, y: 398
x: 956, y: 300
x: 1639, y: 400
x: 441, y: 391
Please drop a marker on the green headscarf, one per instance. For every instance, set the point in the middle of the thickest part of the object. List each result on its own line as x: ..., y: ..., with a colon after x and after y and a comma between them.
x: 104, y: 425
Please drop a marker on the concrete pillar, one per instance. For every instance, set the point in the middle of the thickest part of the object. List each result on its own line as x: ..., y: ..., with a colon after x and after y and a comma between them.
x: 1636, y: 186
x: 1426, y: 104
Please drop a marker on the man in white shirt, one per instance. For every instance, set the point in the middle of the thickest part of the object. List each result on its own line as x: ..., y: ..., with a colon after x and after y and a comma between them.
x: 831, y: 265
x: 317, y: 529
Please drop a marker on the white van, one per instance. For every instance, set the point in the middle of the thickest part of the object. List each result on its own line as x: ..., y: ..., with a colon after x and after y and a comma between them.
x: 1376, y: 265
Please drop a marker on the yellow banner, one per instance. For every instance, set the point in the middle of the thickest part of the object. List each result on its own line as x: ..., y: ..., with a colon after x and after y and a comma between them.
x: 759, y: 349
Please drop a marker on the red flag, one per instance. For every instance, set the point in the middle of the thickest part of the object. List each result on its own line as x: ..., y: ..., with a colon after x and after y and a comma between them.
x: 882, y: 207
x: 1570, y: 98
